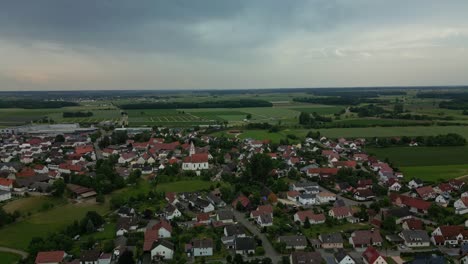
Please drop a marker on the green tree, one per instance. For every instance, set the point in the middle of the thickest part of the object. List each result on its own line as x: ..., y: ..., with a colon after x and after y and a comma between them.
x: 58, y: 188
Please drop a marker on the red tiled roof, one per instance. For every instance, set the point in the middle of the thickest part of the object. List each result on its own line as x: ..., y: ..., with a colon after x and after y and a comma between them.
x: 242, y: 199
x: 26, y: 172
x: 50, y: 257
x: 203, y: 217
x: 163, y: 224
x: 80, y: 150
x: 341, y: 211
x: 414, y: 224
x: 6, y: 182
x: 425, y: 191
x: 196, y: 158
x: 347, y: 163
x: 310, y: 214
x: 330, y: 171
x: 371, y: 255
x: 293, y: 194
x: 150, y: 237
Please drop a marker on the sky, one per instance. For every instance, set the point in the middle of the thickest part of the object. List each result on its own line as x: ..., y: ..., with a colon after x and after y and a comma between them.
x: 221, y: 44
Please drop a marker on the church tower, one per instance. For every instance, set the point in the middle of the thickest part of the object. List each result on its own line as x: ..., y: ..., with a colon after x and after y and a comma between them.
x: 192, y: 149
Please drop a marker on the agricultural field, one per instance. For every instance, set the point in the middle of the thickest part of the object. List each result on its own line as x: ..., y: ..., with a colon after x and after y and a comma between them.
x: 18, y: 235
x: 422, y: 156
x: 393, y: 131
x: 427, y: 163
x: 435, y: 173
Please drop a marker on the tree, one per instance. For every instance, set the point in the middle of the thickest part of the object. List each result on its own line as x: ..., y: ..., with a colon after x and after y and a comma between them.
x: 126, y: 258
x: 259, y: 167
x: 249, y: 116
x: 58, y: 188
x: 389, y: 223
x: 59, y: 138
x: 90, y: 227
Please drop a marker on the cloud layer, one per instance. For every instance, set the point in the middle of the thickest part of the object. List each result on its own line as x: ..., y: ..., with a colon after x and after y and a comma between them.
x: 212, y: 44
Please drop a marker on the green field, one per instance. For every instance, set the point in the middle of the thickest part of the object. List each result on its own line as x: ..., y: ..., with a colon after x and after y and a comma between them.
x: 32, y: 204
x: 434, y: 173
x: 9, y: 258
x: 393, y: 131
x: 18, y: 235
x: 184, y: 186
x: 422, y: 156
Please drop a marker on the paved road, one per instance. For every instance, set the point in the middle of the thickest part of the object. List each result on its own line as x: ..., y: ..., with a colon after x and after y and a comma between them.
x: 269, y: 250
x: 23, y: 254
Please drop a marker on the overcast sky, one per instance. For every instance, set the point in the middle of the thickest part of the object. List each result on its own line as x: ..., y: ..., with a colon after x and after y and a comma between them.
x: 216, y: 44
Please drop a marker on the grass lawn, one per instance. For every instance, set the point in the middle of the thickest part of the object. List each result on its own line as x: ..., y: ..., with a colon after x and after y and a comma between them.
x: 19, y: 234
x: 422, y: 156
x: 433, y: 173
x: 314, y: 230
x: 184, y: 186
x: 9, y: 258
x: 31, y: 204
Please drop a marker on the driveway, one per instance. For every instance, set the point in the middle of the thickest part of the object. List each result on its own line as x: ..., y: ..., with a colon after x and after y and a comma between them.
x: 269, y: 250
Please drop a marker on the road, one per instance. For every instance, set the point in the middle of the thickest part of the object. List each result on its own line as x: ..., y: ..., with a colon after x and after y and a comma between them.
x: 269, y: 250
x: 23, y: 254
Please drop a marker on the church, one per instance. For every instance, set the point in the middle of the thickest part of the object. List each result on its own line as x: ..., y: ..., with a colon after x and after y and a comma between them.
x: 195, y: 161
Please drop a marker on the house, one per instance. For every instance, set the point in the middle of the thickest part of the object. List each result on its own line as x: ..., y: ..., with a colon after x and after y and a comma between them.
x: 126, y: 224
x: 163, y: 229
x: 265, y: 220
x: 202, y: 247
x: 195, y: 161
x: 456, y: 184
x: 340, y: 212
x: 415, y: 238
x: 294, y: 242
x: 415, y: 205
x: 415, y: 183
x: 303, y: 216
x: 322, y: 172
x: 50, y: 257
x: 244, y: 245
x: 203, y: 218
x: 331, y: 240
x: 341, y: 257
x: 306, y: 187
x: 412, y: 224
x: 449, y: 235
x: 235, y: 230
x: 172, y: 212
x: 364, y: 195
x: 262, y: 209
x: 426, y: 192
x: 372, y: 256
x: 241, y: 201
x: 394, y: 185
x: 293, y: 195
x: 326, y: 197
x: 202, y: 205
x: 225, y: 216
x: 171, y: 197
x: 443, y: 199
x: 163, y: 249
x: 364, y: 184
x: 5, y: 195
x: 461, y: 205
x: 90, y: 256
x: 306, y: 198
x: 365, y: 238
x: 305, y: 258
x: 6, y: 184
x: 126, y: 211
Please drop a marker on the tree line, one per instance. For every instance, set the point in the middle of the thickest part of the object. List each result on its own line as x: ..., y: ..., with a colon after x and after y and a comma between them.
x: 212, y: 104
x: 450, y: 139
x: 35, y: 104
x: 77, y: 114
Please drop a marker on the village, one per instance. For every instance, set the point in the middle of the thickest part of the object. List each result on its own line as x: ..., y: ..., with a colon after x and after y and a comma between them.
x: 320, y: 200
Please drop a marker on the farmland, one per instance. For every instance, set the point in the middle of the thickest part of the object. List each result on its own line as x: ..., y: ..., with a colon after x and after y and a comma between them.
x: 18, y: 234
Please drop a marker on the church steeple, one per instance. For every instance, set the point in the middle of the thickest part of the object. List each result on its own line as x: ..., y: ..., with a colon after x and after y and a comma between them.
x: 192, y: 149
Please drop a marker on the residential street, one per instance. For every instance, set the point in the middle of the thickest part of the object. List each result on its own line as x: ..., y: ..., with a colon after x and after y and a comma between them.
x: 269, y: 250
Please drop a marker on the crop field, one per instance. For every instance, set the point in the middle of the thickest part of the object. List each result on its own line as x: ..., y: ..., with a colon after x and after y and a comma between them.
x: 393, y: 131
x: 435, y: 173
x: 423, y: 156
x: 319, y: 109
x: 18, y: 235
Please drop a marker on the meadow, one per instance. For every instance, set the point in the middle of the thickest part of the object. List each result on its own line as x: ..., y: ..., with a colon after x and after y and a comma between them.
x: 9, y: 258
x: 435, y: 173
x: 19, y: 234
